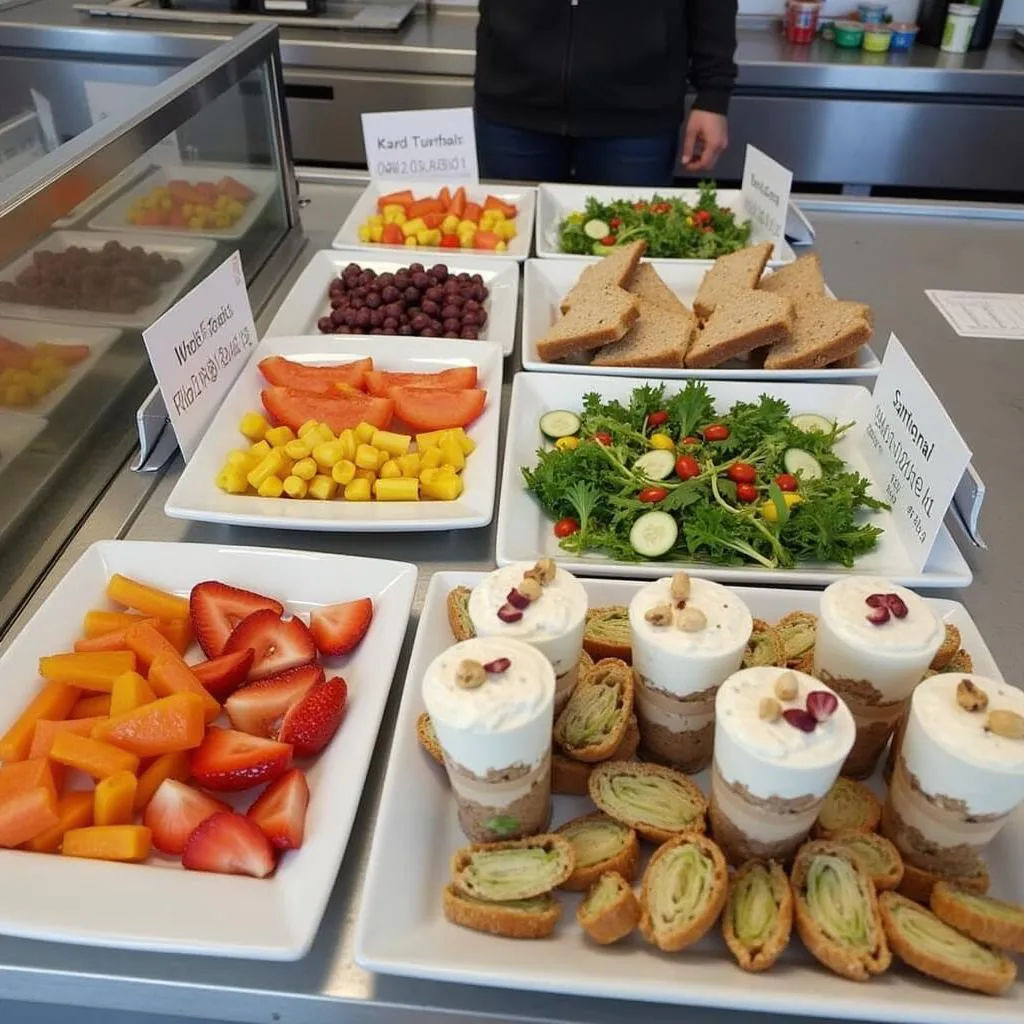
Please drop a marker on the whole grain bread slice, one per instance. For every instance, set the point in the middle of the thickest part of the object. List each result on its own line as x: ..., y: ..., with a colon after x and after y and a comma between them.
x: 615, y: 270
x: 647, y: 284
x: 604, y: 318
x: 739, y: 326
x: 824, y: 331
x: 731, y: 276
x: 660, y: 337
x: 801, y: 280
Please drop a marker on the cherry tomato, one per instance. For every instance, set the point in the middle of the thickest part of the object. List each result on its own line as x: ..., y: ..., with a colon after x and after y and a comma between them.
x: 603, y: 438
x: 716, y: 432
x: 701, y: 217
x: 639, y: 207
x: 652, y: 494
x: 616, y: 222
x: 787, y: 482
x: 566, y: 527
x: 746, y: 493
x: 741, y: 473
x: 657, y: 418
x: 690, y: 439
x: 608, y: 240
x: 687, y: 467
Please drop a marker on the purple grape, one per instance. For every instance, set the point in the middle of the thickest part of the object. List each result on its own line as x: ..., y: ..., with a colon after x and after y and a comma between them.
x: 325, y: 325
x: 430, y: 307
x: 452, y: 324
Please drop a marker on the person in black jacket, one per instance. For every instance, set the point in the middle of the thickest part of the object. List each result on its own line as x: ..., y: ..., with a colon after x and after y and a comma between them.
x: 594, y: 90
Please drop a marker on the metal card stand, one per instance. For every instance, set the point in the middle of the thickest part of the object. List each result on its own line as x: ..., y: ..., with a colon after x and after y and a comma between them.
x: 970, y: 493
x: 157, y: 443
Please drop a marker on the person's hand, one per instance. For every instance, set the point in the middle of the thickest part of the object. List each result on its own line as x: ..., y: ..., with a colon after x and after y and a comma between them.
x: 705, y: 140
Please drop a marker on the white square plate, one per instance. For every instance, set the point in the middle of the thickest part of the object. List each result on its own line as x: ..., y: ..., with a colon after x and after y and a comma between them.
x: 525, y: 532
x: 401, y: 928
x: 28, y: 332
x: 308, y: 301
x: 196, y: 495
x: 556, y: 202
x: 159, y: 906
x: 366, y: 205
x: 547, y: 282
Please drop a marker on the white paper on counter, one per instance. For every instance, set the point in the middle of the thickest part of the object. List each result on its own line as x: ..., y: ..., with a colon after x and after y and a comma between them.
x: 981, y: 314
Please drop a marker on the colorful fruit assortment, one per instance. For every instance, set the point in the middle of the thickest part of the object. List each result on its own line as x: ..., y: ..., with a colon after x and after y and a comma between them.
x: 29, y: 373
x: 126, y: 711
x: 192, y: 207
x: 448, y: 220
x: 333, y: 437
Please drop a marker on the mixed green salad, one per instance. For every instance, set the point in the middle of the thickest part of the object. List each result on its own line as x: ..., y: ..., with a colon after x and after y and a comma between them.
x: 666, y: 477
x: 672, y: 228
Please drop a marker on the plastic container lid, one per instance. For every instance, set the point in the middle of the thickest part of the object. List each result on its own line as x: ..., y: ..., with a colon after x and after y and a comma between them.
x: 964, y: 10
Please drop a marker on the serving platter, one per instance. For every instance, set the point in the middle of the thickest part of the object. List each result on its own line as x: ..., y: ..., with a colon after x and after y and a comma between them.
x: 159, y: 906
x: 525, y: 532
x: 401, y: 929
x: 547, y: 282
x: 196, y: 495
x: 307, y: 300
x: 556, y: 202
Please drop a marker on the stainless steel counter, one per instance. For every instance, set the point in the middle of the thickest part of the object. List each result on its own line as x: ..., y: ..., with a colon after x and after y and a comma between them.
x: 871, y: 251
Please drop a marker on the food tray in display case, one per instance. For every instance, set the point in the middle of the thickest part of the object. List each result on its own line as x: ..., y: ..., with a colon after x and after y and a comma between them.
x: 417, y: 832
x: 518, y: 249
x: 556, y: 202
x: 114, y: 187
x: 525, y: 532
x: 547, y: 282
x: 308, y: 299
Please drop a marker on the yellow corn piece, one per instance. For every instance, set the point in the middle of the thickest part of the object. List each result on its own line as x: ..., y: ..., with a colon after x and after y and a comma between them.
x: 323, y: 488
x: 281, y: 451
x: 376, y: 232
x: 390, y: 470
x: 392, y: 208
x: 366, y: 474
x: 409, y: 464
x: 307, y: 427
x: 348, y: 442
x: 268, y: 466
x: 394, y: 444
x: 304, y: 469
x: 425, y: 237
x: 428, y: 476
x: 429, y: 439
x: 413, y: 227
x: 232, y: 480
x: 242, y: 460
x: 466, y: 443
x: 367, y: 457
x: 382, y: 457
x: 364, y: 433
x: 357, y: 490
x: 297, y: 449
x: 397, y: 489
x: 444, y: 487
x: 254, y: 426
x: 431, y: 458
x: 272, y: 487
x: 324, y: 434
x: 343, y: 472
x: 327, y: 454
x: 450, y: 224
x: 452, y: 454
x: 261, y: 449
x: 278, y: 436
x: 294, y: 486
x: 410, y: 242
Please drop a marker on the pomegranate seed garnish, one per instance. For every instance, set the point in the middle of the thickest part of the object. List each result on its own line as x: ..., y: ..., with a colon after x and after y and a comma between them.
x: 800, y: 719
x: 509, y: 614
x: 516, y: 599
x: 820, y: 703
x: 878, y: 616
x: 500, y: 665
x: 876, y: 600
x: 896, y: 605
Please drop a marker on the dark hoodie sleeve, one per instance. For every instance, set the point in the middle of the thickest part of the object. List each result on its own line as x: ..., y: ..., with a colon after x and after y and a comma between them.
x: 711, y: 35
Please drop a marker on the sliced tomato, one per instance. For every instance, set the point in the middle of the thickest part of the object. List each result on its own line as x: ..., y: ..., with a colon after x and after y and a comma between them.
x: 457, y: 206
x: 319, y: 380
x: 444, y: 197
x: 434, y: 220
x: 497, y: 203
x: 458, y: 378
x: 426, y: 409
x: 292, y: 407
x: 403, y: 198
x: 473, y: 212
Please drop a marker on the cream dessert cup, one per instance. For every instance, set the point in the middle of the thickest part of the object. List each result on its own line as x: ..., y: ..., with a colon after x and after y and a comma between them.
x: 552, y: 622
x: 491, y: 703
x: 959, y: 772
x: 681, y: 655
x: 874, y: 644
x: 770, y: 776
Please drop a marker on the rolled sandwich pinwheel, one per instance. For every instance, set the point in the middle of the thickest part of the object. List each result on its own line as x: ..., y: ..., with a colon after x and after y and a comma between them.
x: 876, y: 855
x: 849, y: 807
x: 532, y: 918
x: 515, y: 870
x: 764, y: 647
x: 459, y: 621
x: 758, y: 915
x: 984, y: 919
x: 797, y: 633
x: 606, y: 634
x: 594, y: 722
x: 600, y: 845
x: 610, y: 911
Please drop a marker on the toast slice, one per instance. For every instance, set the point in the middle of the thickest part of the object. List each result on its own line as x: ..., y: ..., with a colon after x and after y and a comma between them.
x: 614, y: 271
x: 744, y: 323
x: 610, y: 911
x: 758, y: 915
x: 605, y: 317
x: 601, y: 844
x: 660, y: 337
x: 533, y: 918
x: 824, y: 331
x: 593, y: 723
x: 799, y: 281
x: 730, y: 277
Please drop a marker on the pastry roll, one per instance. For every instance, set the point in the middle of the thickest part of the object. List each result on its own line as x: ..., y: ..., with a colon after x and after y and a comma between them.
x: 758, y: 915
x: 764, y: 647
x: 879, y: 858
x: 594, y: 721
x: 514, y: 870
x: 610, y: 911
x: 600, y: 845
x: 606, y: 634
x: 458, y: 614
x: 533, y: 918
x: 849, y: 807
x: 983, y: 918
x: 917, y: 883
x: 428, y: 738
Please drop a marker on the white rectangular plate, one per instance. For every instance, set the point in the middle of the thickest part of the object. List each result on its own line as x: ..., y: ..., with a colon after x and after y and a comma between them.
x: 518, y: 249
x: 525, y: 532
x: 192, y: 252
x: 547, y: 282
x: 556, y: 202
x: 401, y: 928
x: 27, y: 332
x: 158, y: 905
x: 196, y: 495
x: 114, y: 217
x: 308, y: 301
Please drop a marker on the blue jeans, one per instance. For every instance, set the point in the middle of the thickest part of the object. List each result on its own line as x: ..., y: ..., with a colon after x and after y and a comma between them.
x: 516, y: 154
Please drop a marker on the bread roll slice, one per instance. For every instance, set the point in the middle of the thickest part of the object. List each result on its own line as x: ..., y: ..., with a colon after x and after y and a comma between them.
x: 614, y: 271
x: 533, y: 918
x: 458, y: 614
x: 849, y: 806
x: 593, y: 723
x: 876, y: 855
x: 601, y: 844
x: 987, y: 920
x: 823, y: 331
x: 743, y: 323
x: 660, y: 337
x: 610, y: 911
x: 516, y: 869
x: 606, y: 633
x: 428, y: 738
x: 758, y: 916
x: 730, y: 277
x: 605, y: 317
x: 917, y: 883
x: 799, y: 281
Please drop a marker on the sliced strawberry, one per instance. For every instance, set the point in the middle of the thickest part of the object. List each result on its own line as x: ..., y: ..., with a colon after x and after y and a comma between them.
x: 310, y: 724
x: 259, y: 707
x: 222, y: 676
x: 280, y: 644
x: 280, y: 810
x: 215, y: 609
x: 230, y: 844
x: 227, y: 761
x: 338, y: 628
x: 174, y: 812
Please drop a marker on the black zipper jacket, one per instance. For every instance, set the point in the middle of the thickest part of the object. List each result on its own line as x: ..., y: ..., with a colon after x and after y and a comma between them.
x: 603, y: 67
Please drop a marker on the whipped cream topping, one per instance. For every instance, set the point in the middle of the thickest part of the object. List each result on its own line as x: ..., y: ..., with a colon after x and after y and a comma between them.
x: 844, y: 605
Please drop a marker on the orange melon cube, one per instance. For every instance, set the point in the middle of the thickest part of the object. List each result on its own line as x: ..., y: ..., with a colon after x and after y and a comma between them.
x: 99, y: 621
x: 73, y: 811
x: 97, y: 759
x: 26, y: 813
x: 95, y: 706
x: 115, y: 640
x: 167, y: 766
x: 93, y: 670
x: 178, y: 631
x: 169, y: 674
x: 54, y: 701
x: 146, y: 599
x: 130, y: 691
x: 114, y: 799
x: 146, y: 641
x: 129, y: 843
x: 22, y: 775
x: 161, y: 727
x: 42, y: 738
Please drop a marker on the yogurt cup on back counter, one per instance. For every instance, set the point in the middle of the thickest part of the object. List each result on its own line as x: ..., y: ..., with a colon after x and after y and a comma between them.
x: 549, y: 613
x: 491, y: 703
x: 683, y: 649
x: 874, y: 644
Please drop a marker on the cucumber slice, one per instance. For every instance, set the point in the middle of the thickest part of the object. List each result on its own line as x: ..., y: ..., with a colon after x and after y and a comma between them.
x: 559, y: 423
x: 653, y: 534
x: 655, y: 465
x: 797, y: 461
x: 596, y: 229
x: 812, y: 423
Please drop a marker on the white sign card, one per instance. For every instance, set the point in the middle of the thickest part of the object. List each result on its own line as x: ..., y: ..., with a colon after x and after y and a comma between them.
x: 44, y: 111
x: 765, y: 189
x: 122, y: 99
x: 433, y: 145
x: 198, y: 348
x: 981, y: 314
x: 916, y: 453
